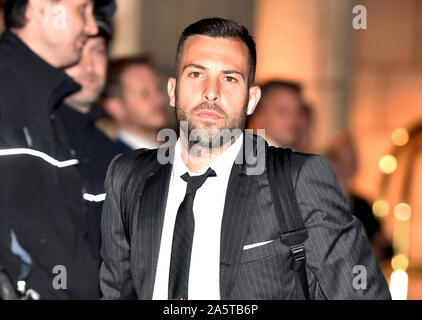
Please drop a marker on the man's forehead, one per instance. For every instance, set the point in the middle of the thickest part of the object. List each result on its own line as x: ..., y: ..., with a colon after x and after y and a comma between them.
x: 206, y: 48
x: 92, y: 41
x: 282, y: 95
x: 82, y: 1
x: 139, y: 73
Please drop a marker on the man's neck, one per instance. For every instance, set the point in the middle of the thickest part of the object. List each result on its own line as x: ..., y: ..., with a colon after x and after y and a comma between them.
x: 146, y: 134
x: 197, y: 157
x: 30, y: 41
x: 82, y: 108
x: 271, y: 141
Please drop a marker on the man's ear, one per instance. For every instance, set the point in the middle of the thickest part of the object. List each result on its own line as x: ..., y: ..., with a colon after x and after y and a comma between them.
x: 35, y: 10
x: 41, y: 13
x: 171, y: 91
x: 254, y: 96
x: 39, y: 7
x: 113, y: 106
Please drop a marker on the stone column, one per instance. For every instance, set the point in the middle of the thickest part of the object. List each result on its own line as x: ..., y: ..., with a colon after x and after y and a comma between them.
x: 309, y: 41
x: 127, y: 28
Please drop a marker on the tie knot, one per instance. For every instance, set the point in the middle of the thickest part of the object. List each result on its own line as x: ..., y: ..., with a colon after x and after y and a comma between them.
x: 195, y: 182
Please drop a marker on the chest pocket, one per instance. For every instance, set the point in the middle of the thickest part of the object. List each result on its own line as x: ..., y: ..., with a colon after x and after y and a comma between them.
x: 264, y: 273
x: 263, y: 251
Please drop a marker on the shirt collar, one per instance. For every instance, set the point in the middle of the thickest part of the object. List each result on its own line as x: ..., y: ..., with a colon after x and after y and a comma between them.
x: 221, y: 165
x: 135, y: 141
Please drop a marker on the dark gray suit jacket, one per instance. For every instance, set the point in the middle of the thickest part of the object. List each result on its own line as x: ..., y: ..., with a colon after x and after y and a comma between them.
x: 335, y: 245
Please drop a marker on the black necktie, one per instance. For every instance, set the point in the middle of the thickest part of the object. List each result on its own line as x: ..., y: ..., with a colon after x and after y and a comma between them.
x: 183, y: 236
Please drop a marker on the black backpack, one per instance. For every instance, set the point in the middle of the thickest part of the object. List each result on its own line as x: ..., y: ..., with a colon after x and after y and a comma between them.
x: 292, y: 228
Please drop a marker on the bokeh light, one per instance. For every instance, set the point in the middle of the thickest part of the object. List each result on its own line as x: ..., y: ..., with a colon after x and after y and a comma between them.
x: 398, y: 285
x: 388, y: 164
x: 380, y: 208
x: 400, y: 137
x: 400, y: 262
x: 402, y: 212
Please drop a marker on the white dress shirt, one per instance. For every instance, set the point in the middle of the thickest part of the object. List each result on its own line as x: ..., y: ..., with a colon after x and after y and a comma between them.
x: 208, y: 207
x: 135, y: 141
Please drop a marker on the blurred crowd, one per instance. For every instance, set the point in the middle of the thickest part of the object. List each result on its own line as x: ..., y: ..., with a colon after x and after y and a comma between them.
x: 93, y: 109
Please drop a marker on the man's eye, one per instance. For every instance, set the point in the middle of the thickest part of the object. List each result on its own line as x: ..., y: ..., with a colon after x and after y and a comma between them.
x: 230, y: 79
x: 195, y: 74
x: 142, y: 94
x: 82, y: 8
x: 100, y: 52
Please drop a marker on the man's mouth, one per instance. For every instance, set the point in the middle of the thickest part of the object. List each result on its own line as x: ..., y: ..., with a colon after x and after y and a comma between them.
x: 85, y: 81
x: 208, y: 115
x: 81, y: 43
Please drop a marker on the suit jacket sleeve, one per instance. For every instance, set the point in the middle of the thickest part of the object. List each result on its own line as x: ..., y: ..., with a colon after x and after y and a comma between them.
x: 340, y: 261
x: 115, y: 250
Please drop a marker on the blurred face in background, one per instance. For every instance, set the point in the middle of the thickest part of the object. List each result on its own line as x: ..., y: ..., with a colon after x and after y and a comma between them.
x: 342, y: 155
x: 141, y: 103
x: 90, y: 73
x: 280, y: 116
x: 59, y: 29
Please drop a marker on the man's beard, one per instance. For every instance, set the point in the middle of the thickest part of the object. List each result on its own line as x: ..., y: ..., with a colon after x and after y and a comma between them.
x: 206, y: 135
x: 86, y: 97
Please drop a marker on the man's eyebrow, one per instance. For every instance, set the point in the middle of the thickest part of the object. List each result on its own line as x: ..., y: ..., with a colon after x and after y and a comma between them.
x: 194, y: 65
x: 234, y: 71
x: 198, y: 66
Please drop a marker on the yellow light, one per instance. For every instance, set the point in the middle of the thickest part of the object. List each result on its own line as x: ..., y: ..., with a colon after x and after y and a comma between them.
x: 402, y: 212
x: 388, y: 164
x: 380, y: 208
x: 400, y: 262
x: 400, y: 137
x: 398, y: 285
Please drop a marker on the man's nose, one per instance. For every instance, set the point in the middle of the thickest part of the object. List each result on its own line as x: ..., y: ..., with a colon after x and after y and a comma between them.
x: 87, y: 63
x: 91, y: 28
x: 211, y: 91
x: 161, y: 98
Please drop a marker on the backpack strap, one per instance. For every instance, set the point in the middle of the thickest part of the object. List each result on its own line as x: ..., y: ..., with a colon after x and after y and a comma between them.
x: 293, y: 231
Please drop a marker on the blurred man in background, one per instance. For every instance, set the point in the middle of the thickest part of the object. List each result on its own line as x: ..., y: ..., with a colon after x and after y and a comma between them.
x: 278, y: 112
x: 79, y: 113
x: 305, y: 138
x: 135, y: 102
x: 342, y: 155
x: 42, y: 217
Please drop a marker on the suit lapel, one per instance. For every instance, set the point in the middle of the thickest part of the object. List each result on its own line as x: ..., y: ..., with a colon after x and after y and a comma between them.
x: 153, y: 201
x: 239, y: 199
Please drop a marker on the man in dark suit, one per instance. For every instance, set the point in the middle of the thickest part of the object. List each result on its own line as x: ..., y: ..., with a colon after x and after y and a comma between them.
x: 194, y: 222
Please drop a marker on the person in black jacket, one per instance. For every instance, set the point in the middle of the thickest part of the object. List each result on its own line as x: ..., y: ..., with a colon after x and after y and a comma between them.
x: 42, y: 216
x: 79, y: 113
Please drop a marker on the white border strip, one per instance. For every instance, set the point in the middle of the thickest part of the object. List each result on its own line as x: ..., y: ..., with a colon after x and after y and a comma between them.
x: 39, y: 154
x: 94, y: 198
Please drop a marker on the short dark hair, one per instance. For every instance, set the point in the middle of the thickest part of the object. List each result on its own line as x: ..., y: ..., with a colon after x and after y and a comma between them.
x: 220, y: 28
x: 280, y: 84
x: 14, y: 13
x: 268, y: 86
x: 115, y: 70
